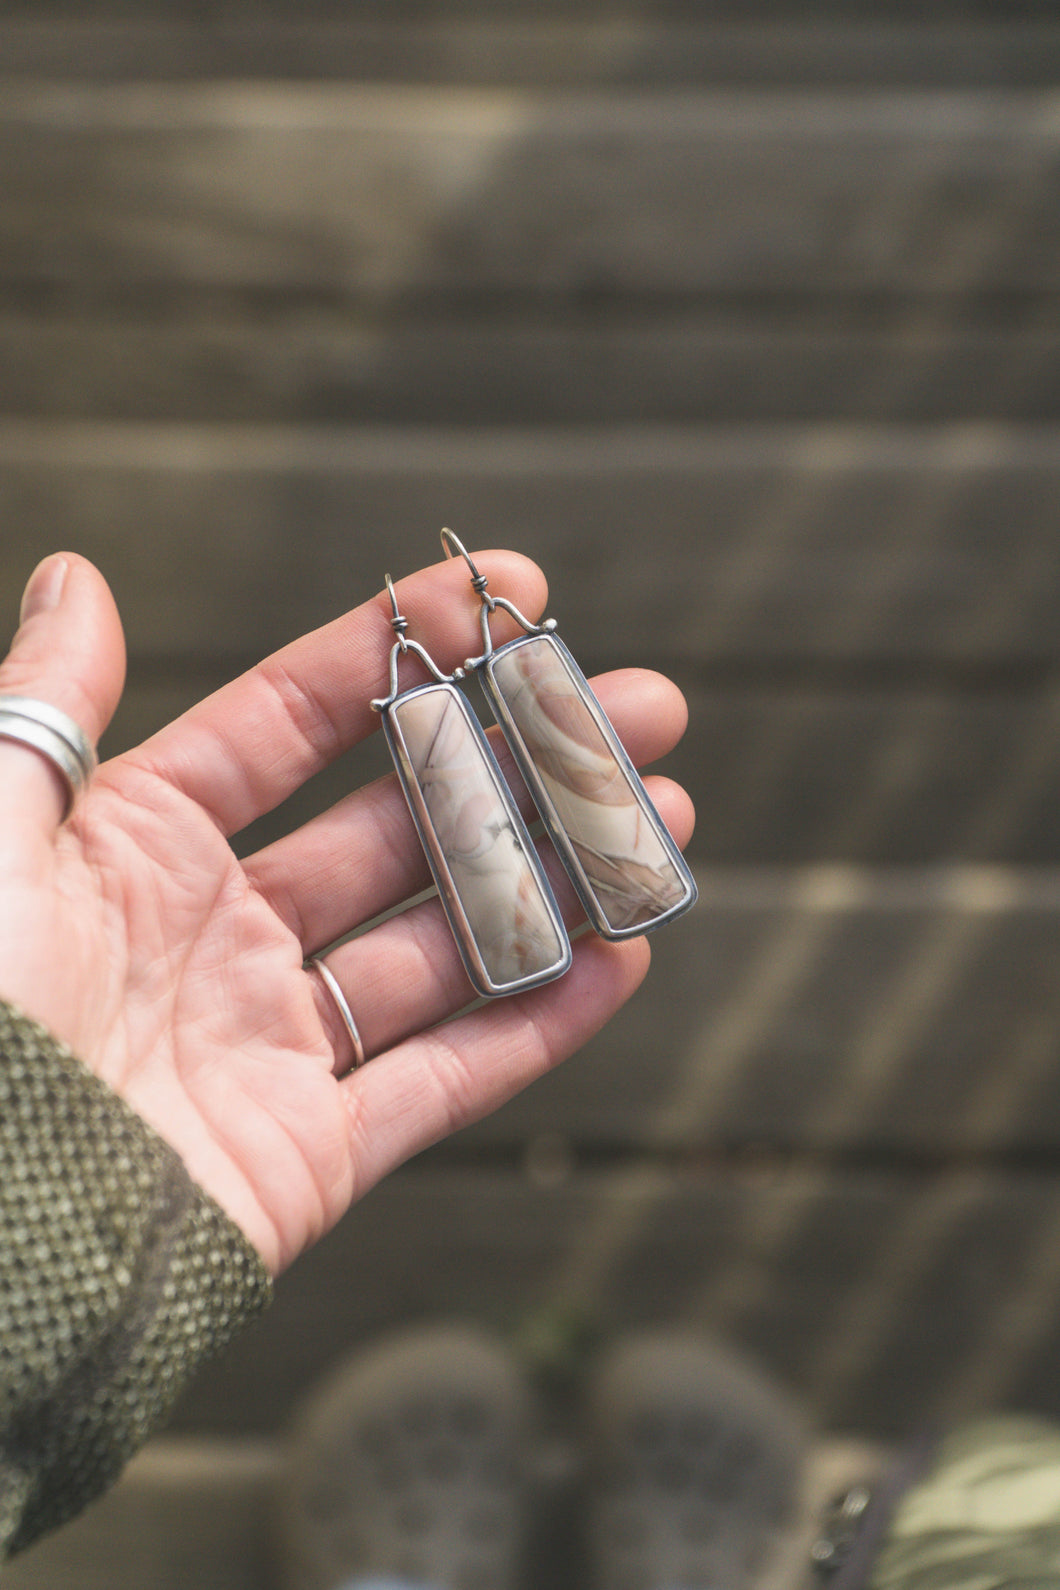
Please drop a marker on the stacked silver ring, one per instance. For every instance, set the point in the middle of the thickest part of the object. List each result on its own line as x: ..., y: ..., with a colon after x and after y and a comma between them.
x: 55, y: 735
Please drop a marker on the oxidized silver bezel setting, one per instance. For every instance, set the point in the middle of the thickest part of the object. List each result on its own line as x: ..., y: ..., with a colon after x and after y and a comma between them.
x: 543, y: 800
x: 448, y: 892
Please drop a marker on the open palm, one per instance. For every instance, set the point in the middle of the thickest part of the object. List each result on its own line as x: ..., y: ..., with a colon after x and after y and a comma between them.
x: 175, y: 971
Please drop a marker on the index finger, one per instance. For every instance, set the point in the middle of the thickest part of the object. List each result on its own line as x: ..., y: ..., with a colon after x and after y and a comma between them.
x: 244, y: 749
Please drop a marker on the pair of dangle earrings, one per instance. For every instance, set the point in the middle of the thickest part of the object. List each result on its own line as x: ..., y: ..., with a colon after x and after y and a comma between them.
x: 625, y: 868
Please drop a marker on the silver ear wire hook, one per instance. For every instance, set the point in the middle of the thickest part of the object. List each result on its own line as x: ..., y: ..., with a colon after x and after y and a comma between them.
x: 455, y: 547
x: 399, y: 624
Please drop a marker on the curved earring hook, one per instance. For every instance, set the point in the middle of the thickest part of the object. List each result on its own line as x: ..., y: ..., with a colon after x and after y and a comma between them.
x: 455, y: 547
x: 399, y: 624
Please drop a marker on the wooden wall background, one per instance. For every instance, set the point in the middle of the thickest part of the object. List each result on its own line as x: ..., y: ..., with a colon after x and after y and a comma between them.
x: 743, y: 320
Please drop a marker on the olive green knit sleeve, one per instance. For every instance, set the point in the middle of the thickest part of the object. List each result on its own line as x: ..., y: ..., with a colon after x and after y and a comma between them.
x: 118, y: 1277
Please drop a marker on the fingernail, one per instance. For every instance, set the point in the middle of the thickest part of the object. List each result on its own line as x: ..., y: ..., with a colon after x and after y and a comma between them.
x: 45, y: 587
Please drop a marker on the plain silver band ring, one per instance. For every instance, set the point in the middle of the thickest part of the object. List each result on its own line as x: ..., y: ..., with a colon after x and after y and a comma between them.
x: 331, y: 982
x: 44, y: 728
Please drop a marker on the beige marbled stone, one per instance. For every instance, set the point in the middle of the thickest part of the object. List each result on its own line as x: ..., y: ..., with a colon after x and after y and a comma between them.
x: 612, y: 828
x: 496, y: 885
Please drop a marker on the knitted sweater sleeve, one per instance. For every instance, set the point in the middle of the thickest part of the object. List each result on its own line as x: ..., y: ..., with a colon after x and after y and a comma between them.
x: 118, y: 1277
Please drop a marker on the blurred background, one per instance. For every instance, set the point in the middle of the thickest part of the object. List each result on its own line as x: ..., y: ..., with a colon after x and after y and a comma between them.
x: 742, y: 318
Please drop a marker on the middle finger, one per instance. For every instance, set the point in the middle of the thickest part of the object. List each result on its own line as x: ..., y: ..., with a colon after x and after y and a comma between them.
x: 363, y: 857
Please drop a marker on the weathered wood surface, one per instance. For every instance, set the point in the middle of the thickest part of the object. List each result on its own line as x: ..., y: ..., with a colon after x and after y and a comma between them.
x: 888, y: 1299
x: 556, y: 44
x: 833, y: 1011
x: 742, y: 320
x: 966, y: 15
x: 232, y: 362
x: 383, y: 192
x: 834, y: 546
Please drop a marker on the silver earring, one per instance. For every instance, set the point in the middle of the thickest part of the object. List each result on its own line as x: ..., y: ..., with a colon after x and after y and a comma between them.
x: 628, y: 872
x: 493, y: 889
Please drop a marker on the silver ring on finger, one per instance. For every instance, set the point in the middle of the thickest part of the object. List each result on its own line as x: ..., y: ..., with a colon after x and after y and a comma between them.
x: 55, y: 736
x: 330, y: 982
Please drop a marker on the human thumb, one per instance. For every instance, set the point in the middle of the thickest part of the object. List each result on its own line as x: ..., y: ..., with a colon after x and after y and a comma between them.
x: 68, y: 653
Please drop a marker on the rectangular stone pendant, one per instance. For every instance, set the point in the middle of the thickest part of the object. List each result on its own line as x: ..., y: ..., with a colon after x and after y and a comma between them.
x: 629, y: 873
x: 494, y: 892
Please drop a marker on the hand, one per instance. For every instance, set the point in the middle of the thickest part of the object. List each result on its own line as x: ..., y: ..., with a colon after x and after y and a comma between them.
x: 176, y: 972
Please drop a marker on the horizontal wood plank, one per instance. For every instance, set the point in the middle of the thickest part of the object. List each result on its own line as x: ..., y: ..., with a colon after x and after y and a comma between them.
x: 651, y: 13
x: 764, y: 547
x: 239, y: 363
x: 383, y: 192
x: 572, y: 44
